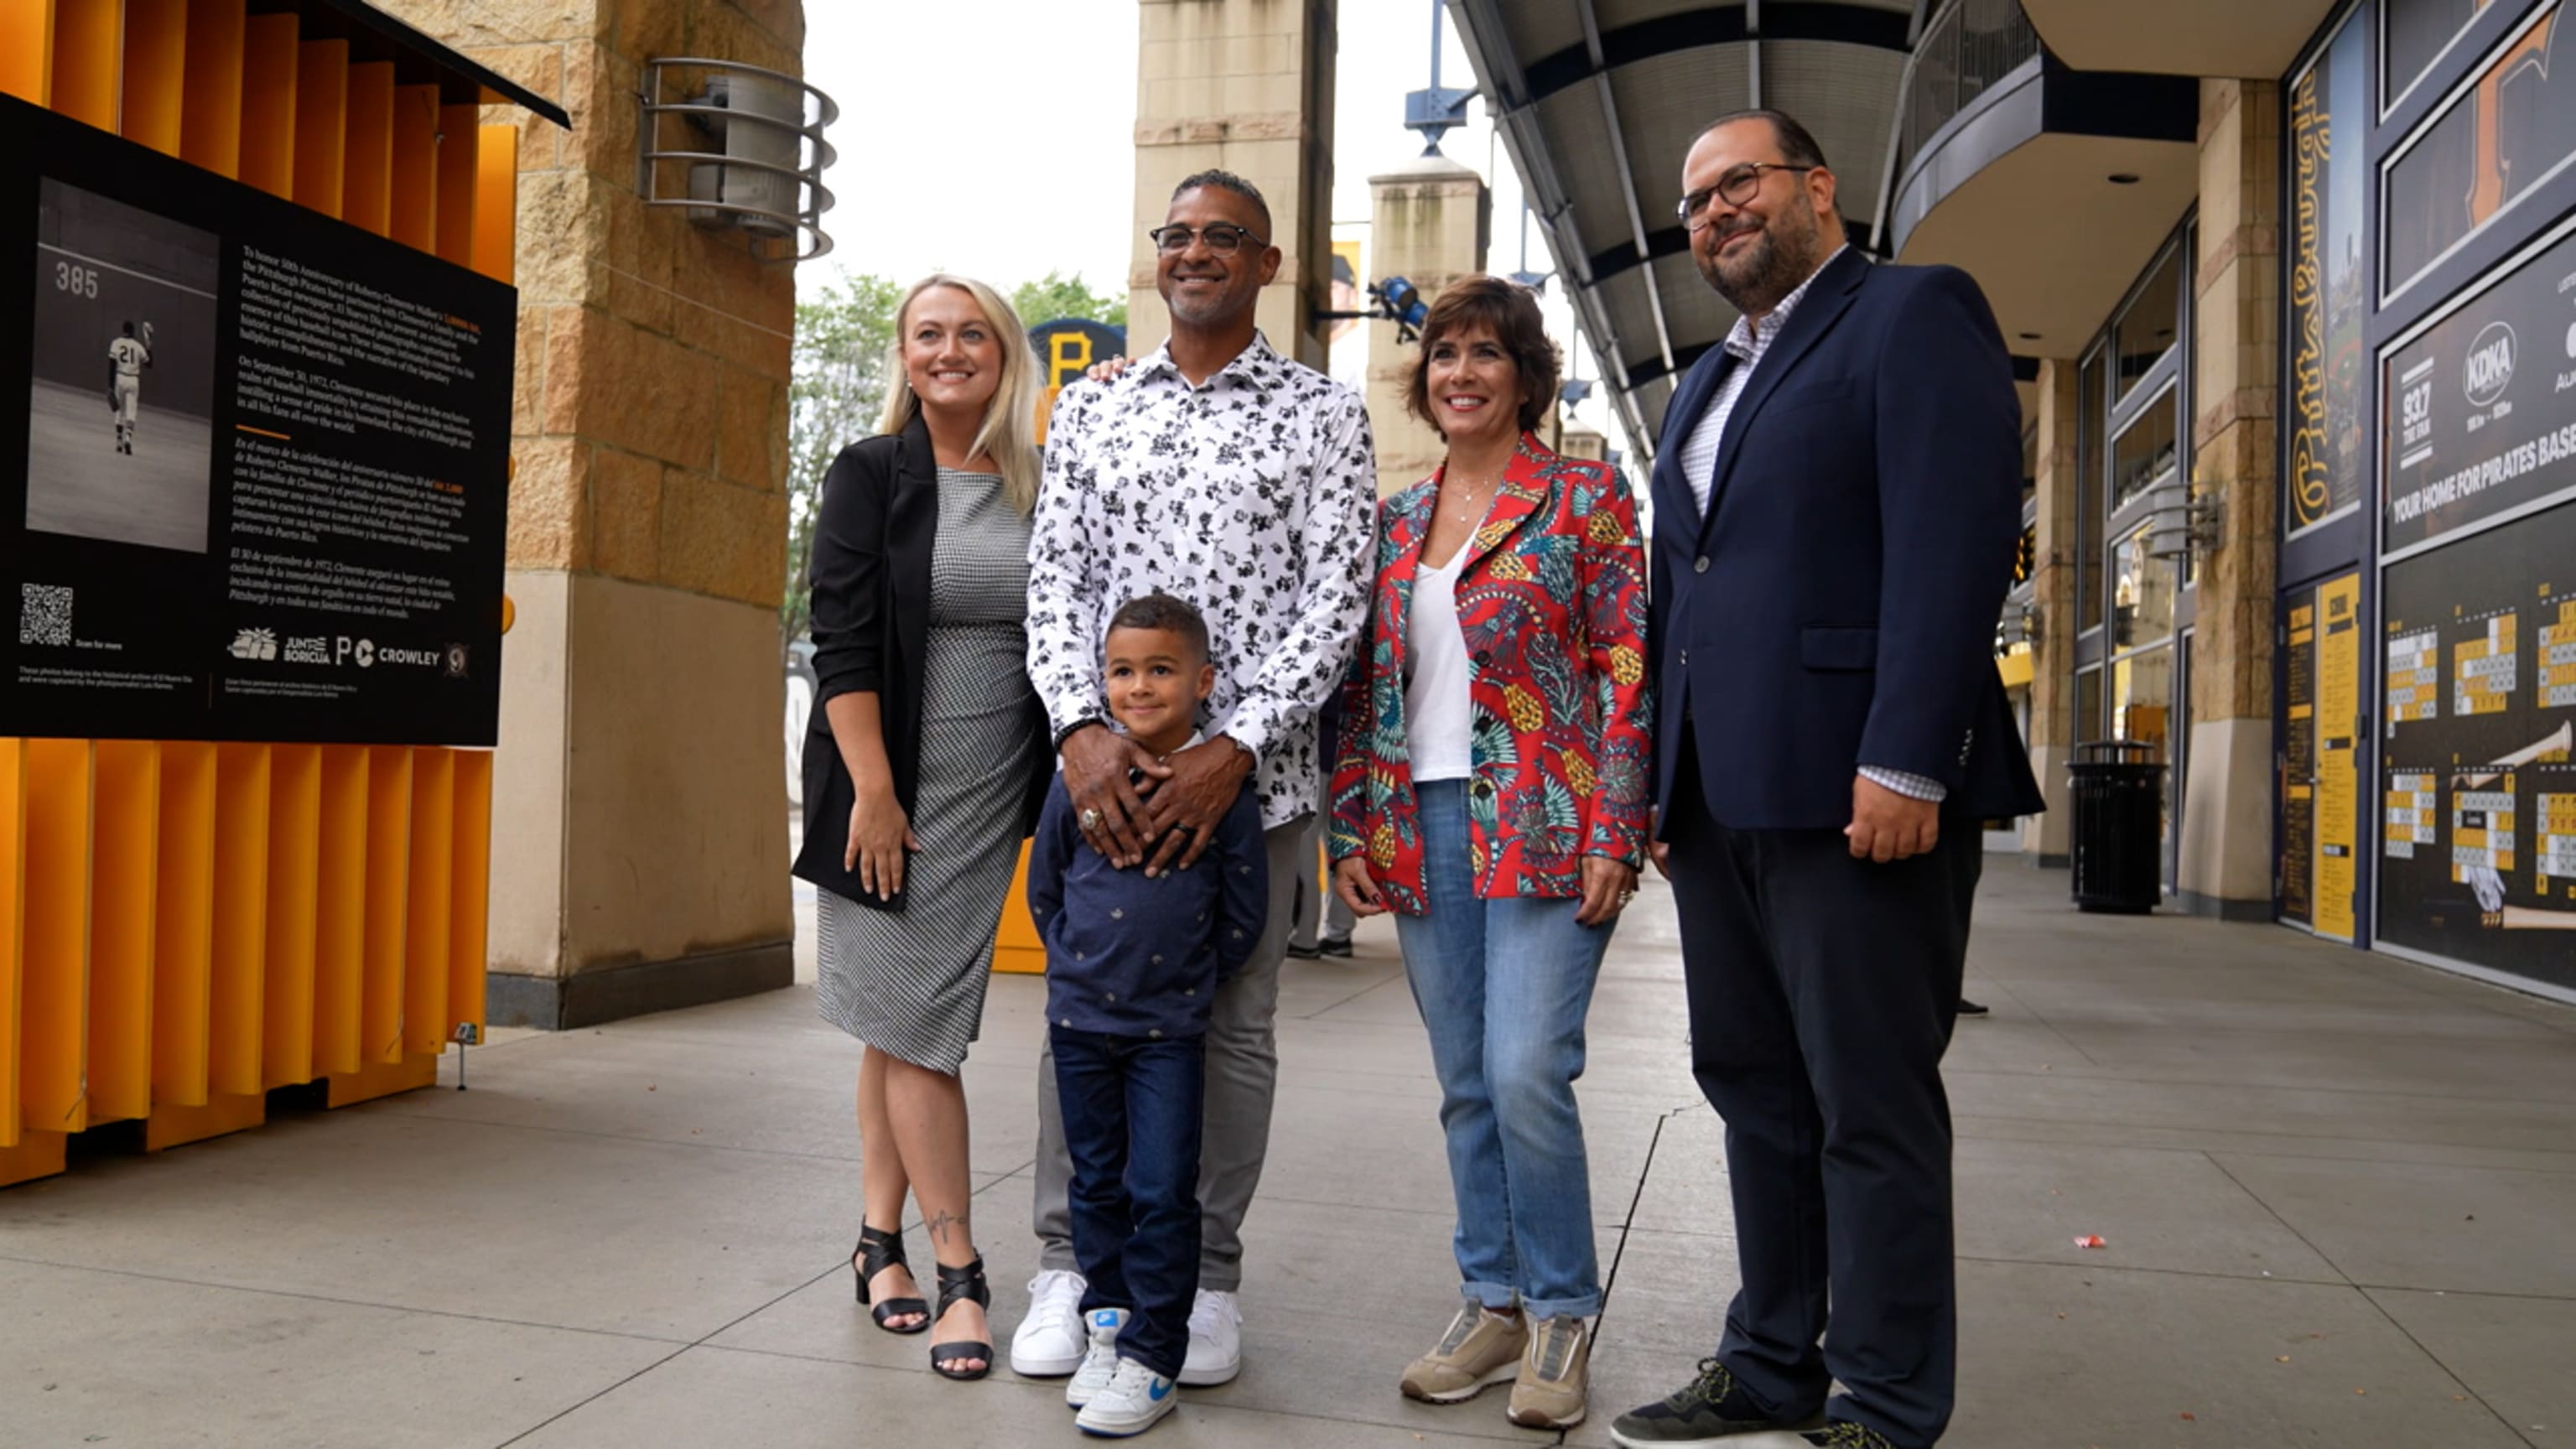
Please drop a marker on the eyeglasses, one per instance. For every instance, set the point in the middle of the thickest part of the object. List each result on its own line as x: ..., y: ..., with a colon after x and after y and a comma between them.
x: 1222, y: 238
x: 1734, y: 188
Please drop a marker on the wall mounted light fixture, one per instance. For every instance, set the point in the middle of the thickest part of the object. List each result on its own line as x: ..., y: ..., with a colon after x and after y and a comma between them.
x: 738, y: 148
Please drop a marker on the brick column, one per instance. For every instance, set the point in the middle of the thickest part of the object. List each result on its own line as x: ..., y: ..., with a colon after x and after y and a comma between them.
x: 1429, y: 223
x: 2226, y: 864
x: 2044, y: 838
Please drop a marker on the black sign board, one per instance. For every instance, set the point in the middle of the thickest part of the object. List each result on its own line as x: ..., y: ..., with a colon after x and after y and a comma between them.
x: 2481, y: 410
x: 260, y: 485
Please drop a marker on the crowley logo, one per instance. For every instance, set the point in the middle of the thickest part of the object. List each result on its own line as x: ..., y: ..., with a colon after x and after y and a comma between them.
x: 2490, y: 369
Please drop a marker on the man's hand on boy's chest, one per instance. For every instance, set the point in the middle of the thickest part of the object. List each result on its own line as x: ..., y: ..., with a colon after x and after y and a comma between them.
x: 1184, y: 811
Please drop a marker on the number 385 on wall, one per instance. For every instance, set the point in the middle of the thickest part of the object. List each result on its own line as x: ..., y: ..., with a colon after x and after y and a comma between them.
x: 79, y: 281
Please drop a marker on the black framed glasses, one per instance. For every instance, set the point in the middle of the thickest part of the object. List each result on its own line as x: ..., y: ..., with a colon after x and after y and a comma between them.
x: 1222, y: 238
x: 1734, y: 188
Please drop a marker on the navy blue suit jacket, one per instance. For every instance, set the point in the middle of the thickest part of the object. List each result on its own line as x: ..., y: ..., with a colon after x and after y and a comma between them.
x: 1836, y: 607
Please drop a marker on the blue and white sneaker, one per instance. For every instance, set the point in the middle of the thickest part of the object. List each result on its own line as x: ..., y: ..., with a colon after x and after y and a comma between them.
x: 1135, y: 1400
x: 1100, y: 1363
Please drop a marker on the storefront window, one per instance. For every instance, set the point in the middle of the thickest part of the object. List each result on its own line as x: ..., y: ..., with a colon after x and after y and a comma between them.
x: 2088, y: 706
x: 2142, y: 698
x: 2144, y: 453
x: 2417, y: 33
x: 2142, y: 604
x: 2329, y: 458
x: 2145, y: 333
x: 2511, y: 130
x: 2088, y: 498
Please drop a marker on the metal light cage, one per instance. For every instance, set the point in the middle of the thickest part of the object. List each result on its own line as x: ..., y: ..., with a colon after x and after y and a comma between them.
x: 753, y: 157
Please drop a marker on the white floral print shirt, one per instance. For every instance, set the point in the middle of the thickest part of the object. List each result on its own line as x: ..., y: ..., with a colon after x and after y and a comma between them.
x: 1254, y: 497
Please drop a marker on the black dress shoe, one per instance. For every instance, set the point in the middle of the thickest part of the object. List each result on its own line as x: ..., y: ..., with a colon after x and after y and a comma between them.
x: 1302, y: 953
x: 1970, y: 1008
x: 1335, y: 946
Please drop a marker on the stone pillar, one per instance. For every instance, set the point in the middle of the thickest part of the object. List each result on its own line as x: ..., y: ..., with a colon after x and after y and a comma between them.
x: 1245, y: 86
x: 2226, y: 866
x: 2044, y: 838
x: 639, y: 853
x: 1429, y: 222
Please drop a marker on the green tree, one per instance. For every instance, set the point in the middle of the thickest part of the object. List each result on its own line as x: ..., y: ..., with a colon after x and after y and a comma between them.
x: 842, y: 338
x: 1056, y: 295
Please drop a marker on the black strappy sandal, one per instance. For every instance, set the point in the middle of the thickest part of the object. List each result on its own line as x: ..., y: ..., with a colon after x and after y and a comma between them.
x: 879, y: 1250
x: 958, y: 1285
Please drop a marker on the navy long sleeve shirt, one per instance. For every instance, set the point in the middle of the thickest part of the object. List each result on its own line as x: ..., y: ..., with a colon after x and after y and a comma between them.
x: 1133, y: 955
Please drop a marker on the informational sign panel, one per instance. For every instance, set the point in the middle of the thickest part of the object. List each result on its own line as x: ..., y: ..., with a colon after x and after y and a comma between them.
x: 2478, y: 794
x: 259, y: 485
x: 2481, y: 410
x: 2320, y: 758
x: 2298, y: 866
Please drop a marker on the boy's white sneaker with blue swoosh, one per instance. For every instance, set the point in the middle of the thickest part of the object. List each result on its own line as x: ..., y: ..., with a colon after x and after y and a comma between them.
x: 1100, y: 1363
x: 1135, y: 1400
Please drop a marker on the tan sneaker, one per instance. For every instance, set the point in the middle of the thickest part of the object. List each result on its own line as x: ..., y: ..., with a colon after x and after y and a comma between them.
x: 1479, y: 1349
x: 1554, y: 1370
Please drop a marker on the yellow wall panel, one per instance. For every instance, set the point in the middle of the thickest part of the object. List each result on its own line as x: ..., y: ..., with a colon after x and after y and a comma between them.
x: 366, y: 188
x: 321, y: 123
x: 271, y: 57
x: 183, y: 945
x: 460, y: 128
x: 40, y: 1155
x: 415, y: 167
x: 1017, y: 947
x: 433, y: 866
x: 210, y: 117
x: 125, y: 858
x: 233, y: 1015
x: 89, y: 53
x: 340, y: 943
x: 156, y: 70
x: 54, y: 1001
x: 470, y: 893
x: 27, y: 49
x: 294, y: 862
x: 496, y: 203
x: 13, y: 935
x: 388, y: 893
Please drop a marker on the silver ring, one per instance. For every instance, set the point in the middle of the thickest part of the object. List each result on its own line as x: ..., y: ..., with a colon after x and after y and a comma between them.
x: 1626, y: 896
x: 1091, y: 820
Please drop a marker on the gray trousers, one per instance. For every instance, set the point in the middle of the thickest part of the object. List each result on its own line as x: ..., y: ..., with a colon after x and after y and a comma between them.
x: 1242, y: 1073
x: 1313, y: 903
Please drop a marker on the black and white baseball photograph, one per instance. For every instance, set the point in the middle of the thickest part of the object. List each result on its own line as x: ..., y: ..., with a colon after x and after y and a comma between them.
x: 120, y: 412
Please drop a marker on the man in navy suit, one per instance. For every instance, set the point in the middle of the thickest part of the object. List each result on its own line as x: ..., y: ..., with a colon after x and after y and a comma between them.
x: 1837, y: 498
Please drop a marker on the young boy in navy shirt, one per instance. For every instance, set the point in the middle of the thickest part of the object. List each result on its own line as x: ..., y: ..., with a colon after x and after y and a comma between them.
x: 1132, y: 963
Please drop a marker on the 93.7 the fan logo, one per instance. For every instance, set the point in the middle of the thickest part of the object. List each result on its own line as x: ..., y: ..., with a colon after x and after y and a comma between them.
x: 77, y: 280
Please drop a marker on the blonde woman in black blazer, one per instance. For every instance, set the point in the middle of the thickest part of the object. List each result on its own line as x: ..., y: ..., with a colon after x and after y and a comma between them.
x: 928, y: 761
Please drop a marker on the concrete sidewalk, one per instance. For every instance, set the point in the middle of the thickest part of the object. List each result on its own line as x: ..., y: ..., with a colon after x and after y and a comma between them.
x: 2338, y: 1193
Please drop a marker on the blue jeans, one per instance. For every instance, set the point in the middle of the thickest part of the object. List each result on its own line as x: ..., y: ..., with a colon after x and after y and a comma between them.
x: 1503, y: 986
x: 1132, y: 1111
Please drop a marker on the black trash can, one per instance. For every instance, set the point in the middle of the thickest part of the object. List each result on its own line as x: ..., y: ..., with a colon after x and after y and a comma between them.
x: 2118, y: 793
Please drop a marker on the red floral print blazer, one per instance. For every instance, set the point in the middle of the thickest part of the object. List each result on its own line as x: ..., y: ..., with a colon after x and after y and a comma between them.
x: 1552, y: 601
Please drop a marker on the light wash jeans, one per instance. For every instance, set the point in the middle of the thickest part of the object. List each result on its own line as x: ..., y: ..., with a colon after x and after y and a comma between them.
x: 1503, y: 986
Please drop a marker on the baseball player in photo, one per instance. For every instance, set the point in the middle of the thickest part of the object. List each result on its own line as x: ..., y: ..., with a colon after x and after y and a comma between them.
x: 127, y: 356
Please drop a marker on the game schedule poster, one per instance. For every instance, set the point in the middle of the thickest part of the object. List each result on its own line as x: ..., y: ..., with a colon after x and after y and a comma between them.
x: 2477, y: 788
x: 259, y: 486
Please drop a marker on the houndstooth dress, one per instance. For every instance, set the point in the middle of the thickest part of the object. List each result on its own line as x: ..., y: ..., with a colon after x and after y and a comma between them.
x: 911, y: 982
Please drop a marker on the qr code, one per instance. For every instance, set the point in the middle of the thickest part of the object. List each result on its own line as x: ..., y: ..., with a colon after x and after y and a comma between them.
x: 44, y: 614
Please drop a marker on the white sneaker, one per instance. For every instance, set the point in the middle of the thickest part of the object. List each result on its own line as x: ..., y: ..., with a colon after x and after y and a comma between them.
x: 1135, y: 1399
x: 1049, y: 1343
x: 1100, y: 1362
x: 1216, y: 1340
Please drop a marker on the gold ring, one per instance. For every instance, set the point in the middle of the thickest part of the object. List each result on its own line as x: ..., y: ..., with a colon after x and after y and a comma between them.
x: 1091, y: 820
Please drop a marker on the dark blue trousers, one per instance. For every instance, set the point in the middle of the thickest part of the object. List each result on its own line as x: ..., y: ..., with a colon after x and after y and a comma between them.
x: 1822, y: 992
x: 1132, y: 1110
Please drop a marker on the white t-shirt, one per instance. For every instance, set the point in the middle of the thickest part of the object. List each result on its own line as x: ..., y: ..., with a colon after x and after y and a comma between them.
x: 1436, y: 728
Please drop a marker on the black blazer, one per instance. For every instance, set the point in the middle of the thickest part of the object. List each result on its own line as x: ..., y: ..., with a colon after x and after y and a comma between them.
x: 1836, y: 607
x: 871, y: 580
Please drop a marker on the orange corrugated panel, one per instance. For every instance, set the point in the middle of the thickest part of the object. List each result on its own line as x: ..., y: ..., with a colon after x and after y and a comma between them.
x: 496, y: 203
x: 156, y: 72
x: 27, y: 49
x: 470, y: 888
x: 271, y: 56
x: 183, y: 945
x: 54, y: 1002
x: 321, y: 123
x: 460, y: 129
x: 433, y: 869
x: 13, y: 929
x: 125, y: 854
x: 415, y: 168
x: 366, y: 189
x: 210, y: 116
x: 340, y: 942
x: 294, y: 865
x: 89, y: 56
x: 388, y: 893
x: 233, y: 1016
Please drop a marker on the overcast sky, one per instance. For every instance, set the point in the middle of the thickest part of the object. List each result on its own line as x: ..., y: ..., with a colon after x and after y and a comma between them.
x: 995, y: 138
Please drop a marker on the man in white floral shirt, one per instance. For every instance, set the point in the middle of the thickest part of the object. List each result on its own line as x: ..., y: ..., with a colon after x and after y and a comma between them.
x: 1220, y: 472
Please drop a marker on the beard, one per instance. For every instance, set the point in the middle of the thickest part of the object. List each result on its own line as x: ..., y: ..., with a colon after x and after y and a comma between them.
x: 1212, y: 308
x: 1781, y: 256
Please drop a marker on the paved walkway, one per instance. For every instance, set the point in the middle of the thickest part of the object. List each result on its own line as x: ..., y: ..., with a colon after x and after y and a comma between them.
x: 2338, y: 1193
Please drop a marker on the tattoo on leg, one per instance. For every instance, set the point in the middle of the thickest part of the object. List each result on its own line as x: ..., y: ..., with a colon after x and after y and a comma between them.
x: 942, y: 1224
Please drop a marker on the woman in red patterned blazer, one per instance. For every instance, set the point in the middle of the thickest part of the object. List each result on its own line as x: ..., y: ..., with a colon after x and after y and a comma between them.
x: 1492, y: 792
